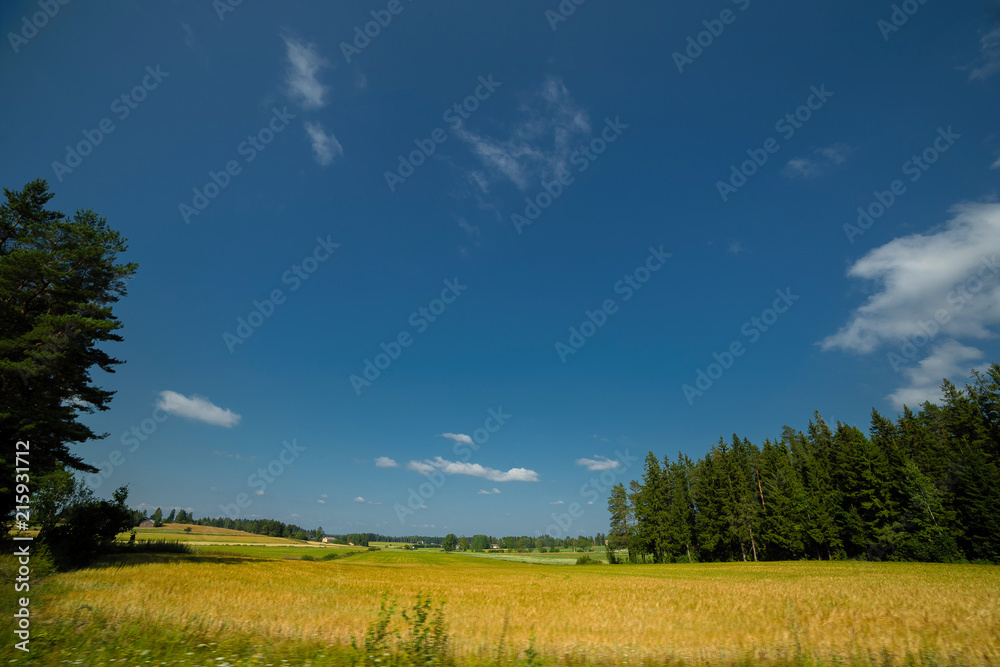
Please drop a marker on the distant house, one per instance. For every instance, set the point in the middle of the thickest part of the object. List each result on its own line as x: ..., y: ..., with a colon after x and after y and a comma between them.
x: 146, y: 523
x: 328, y: 540
x: 494, y: 546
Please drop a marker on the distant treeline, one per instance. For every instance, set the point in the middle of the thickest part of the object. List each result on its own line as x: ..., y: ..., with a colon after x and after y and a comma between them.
x: 925, y: 488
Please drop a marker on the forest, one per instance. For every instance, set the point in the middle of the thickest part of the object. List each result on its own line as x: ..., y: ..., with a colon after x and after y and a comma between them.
x: 925, y: 487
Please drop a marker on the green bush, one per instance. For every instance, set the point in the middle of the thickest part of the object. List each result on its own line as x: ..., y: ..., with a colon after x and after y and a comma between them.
x: 585, y: 559
x: 307, y: 557
x: 150, y: 547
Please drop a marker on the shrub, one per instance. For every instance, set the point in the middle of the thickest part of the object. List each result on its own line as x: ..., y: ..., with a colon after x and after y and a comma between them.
x: 585, y: 559
x: 86, y: 527
x: 150, y: 547
x: 307, y: 557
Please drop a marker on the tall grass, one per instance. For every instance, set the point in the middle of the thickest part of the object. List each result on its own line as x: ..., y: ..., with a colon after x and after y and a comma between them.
x: 727, y: 614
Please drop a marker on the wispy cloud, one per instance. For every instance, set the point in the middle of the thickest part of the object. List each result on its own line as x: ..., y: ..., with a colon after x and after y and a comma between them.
x: 473, y: 470
x: 197, y: 408
x: 931, y: 290
x: 598, y: 463
x: 989, y: 60
x: 469, y: 229
x: 996, y: 165
x: 458, y: 437
x: 539, y: 146
x: 385, y: 462
x: 304, y: 61
x: 325, y: 146
x: 359, y: 499
x: 920, y: 274
x: 819, y: 161
x: 558, y: 502
x: 950, y: 360
x: 491, y: 492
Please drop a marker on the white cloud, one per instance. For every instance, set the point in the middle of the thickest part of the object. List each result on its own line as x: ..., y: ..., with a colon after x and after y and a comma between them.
x: 320, y: 501
x: 539, y: 146
x: 931, y: 290
x: 385, y: 462
x: 558, y: 502
x: 950, y: 272
x: 996, y: 165
x: 598, y: 463
x: 303, y: 63
x: 989, y: 47
x: 197, y: 408
x: 473, y: 470
x: 458, y: 437
x: 325, y: 146
x: 323, y: 495
x: 819, y: 161
x: 471, y: 230
x: 359, y: 499
x: 950, y: 360
x: 484, y: 492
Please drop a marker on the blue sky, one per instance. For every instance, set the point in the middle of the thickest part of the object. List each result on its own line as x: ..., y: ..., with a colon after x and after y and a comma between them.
x: 574, y: 234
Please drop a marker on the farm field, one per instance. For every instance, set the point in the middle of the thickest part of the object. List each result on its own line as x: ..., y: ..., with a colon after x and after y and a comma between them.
x: 273, y: 550
x: 235, y: 610
x: 176, y: 532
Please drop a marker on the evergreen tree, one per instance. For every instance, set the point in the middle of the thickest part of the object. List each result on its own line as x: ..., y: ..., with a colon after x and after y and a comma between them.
x: 59, y: 279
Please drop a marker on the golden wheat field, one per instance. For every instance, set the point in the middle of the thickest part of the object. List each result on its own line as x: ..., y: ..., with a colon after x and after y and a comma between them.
x: 612, y: 614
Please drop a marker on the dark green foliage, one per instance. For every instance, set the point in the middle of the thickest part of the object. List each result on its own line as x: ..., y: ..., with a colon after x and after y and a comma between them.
x: 925, y: 487
x: 450, y: 542
x: 134, y: 546
x: 59, y: 279
x: 85, y: 527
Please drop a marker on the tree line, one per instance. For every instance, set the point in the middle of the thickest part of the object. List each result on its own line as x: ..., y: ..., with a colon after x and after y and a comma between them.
x: 925, y: 487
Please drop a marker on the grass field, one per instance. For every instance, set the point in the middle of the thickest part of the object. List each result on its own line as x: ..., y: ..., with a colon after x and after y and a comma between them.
x: 202, y: 609
x: 176, y: 532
